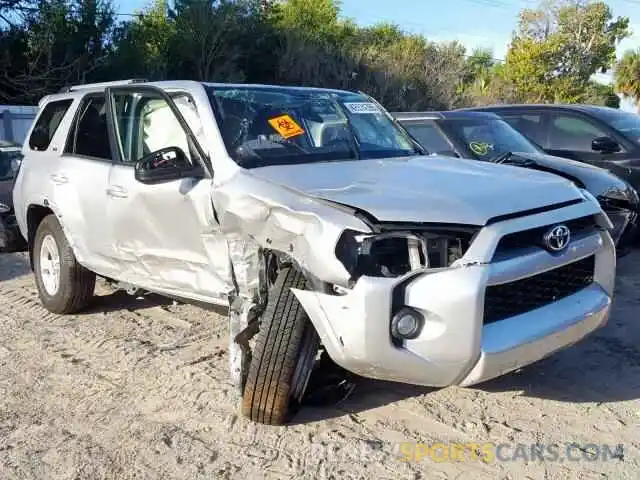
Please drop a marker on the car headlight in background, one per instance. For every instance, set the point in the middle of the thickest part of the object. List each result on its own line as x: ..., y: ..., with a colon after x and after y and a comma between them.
x: 397, y: 252
x: 4, y: 208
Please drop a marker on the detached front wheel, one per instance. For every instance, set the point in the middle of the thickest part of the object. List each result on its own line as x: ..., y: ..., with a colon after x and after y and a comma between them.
x: 284, y: 355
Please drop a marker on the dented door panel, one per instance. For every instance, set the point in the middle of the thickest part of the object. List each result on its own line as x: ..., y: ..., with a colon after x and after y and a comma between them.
x: 165, y: 237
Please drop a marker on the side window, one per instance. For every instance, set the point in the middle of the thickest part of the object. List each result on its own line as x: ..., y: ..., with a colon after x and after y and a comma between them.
x: 145, y: 124
x: 428, y: 136
x: 47, y: 124
x: 89, y: 136
x: 529, y: 124
x: 569, y: 132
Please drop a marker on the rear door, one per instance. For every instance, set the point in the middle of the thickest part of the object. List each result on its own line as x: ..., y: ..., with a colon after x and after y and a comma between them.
x: 164, y: 235
x: 30, y: 183
x: 79, y: 182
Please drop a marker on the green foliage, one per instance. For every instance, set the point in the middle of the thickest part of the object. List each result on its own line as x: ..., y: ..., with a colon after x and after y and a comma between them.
x: 45, y: 44
x: 143, y: 43
x: 62, y: 42
x: 599, y: 94
x: 316, y: 21
x: 627, y: 76
x: 559, y: 47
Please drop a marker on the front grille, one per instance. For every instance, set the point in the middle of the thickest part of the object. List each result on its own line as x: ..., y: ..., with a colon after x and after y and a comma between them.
x: 522, y: 296
x: 534, y: 236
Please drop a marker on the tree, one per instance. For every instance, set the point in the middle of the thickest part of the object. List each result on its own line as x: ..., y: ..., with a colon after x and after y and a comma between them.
x: 143, y: 44
x: 558, y: 47
x: 316, y: 21
x: 627, y: 76
x: 479, y: 70
x: 66, y: 42
x: 478, y: 64
x: 13, y: 12
x: 599, y: 94
x: 209, y: 38
x: 444, y: 70
x: 45, y: 44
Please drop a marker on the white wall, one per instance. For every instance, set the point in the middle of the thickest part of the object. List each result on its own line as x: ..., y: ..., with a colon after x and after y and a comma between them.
x: 15, y: 121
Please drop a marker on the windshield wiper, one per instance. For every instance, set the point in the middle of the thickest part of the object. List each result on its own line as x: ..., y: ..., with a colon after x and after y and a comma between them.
x: 512, y: 158
x: 505, y: 157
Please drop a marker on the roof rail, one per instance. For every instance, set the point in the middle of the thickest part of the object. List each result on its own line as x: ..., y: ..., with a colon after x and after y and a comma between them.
x: 408, y: 116
x: 73, y: 88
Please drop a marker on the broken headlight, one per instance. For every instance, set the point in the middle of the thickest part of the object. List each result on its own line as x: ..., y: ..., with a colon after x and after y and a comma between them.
x: 395, y: 253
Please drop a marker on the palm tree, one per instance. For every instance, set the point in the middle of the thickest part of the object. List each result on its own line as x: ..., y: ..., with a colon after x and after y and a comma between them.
x: 627, y: 76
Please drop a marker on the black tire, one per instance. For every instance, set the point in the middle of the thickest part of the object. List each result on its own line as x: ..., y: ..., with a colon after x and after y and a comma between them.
x: 76, y: 284
x: 284, y: 355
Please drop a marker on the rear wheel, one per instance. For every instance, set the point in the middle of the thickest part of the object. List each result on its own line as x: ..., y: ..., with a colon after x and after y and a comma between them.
x: 284, y: 355
x: 64, y: 286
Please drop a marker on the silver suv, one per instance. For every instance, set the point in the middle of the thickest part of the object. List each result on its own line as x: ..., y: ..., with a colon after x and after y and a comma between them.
x: 319, y: 223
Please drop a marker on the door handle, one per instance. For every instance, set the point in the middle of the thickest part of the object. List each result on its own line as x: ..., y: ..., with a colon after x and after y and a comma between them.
x: 59, y: 178
x: 117, y: 192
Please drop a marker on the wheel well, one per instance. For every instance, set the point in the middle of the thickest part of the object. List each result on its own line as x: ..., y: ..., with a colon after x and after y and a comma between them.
x: 275, y: 260
x: 35, y: 215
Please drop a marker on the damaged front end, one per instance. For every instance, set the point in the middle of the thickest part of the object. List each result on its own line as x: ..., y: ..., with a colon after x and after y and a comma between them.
x: 405, y: 301
x: 345, y: 255
x: 439, y: 306
x: 396, y: 249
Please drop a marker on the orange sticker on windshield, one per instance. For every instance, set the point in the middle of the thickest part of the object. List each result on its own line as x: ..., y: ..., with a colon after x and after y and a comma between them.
x: 286, y: 126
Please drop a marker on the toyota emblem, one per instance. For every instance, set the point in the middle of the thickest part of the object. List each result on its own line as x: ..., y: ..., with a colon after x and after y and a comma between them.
x: 557, y: 238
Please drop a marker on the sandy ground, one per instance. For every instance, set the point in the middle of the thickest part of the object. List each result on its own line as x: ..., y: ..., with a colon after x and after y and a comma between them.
x: 139, y: 389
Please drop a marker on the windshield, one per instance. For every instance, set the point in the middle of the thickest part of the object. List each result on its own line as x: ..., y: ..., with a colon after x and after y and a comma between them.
x: 626, y: 122
x: 264, y: 126
x: 9, y: 161
x: 488, y: 139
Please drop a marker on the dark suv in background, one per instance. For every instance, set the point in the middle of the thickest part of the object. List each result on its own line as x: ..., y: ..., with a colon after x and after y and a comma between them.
x: 10, y: 158
x: 602, y: 136
x: 485, y: 136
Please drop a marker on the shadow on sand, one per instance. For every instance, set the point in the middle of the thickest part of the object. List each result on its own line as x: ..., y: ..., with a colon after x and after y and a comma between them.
x: 13, y: 265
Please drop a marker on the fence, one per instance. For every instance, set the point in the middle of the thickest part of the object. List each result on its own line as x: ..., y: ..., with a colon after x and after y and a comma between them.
x: 15, y: 122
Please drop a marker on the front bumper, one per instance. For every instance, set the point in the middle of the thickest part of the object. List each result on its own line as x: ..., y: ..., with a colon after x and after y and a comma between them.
x: 455, y: 347
x: 11, y: 239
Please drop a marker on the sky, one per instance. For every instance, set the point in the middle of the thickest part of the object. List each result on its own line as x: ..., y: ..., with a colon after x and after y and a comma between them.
x: 475, y: 23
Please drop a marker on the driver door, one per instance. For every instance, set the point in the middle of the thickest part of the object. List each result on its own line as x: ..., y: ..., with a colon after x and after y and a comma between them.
x: 163, y: 232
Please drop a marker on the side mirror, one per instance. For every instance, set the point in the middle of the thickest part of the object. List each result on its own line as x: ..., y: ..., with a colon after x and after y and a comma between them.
x: 605, y: 145
x: 39, y: 139
x: 165, y: 165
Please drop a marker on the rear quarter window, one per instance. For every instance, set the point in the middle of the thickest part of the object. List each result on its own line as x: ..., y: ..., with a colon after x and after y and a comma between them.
x: 428, y: 136
x: 528, y: 124
x: 47, y: 124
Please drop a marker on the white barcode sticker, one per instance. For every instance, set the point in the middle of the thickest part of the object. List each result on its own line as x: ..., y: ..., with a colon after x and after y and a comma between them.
x: 362, y: 107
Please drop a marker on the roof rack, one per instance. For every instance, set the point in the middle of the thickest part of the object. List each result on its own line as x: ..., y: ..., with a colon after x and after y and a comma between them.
x: 73, y: 88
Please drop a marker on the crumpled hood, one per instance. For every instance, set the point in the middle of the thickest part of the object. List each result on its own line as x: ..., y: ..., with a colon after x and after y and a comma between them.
x: 425, y: 189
